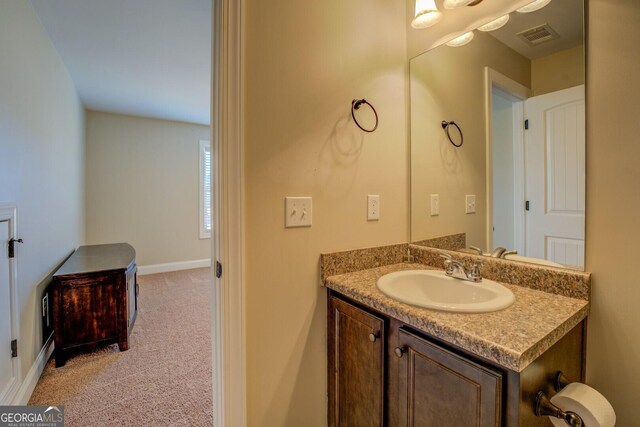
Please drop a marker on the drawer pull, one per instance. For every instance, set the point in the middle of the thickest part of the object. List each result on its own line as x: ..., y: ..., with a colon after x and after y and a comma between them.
x: 399, y: 351
x: 374, y: 336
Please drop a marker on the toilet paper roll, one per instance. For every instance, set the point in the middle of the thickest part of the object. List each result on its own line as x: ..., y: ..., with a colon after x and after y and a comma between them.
x: 593, y: 408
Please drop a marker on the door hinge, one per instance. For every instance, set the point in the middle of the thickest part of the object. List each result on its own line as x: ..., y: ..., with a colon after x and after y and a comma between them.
x: 218, y: 269
x: 12, y: 244
x: 526, y: 124
x: 526, y: 205
x: 14, y: 348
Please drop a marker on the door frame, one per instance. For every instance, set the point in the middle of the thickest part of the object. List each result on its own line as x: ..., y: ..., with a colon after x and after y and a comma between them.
x: 8, y: 212
x: 227, y: 302
x: 519, y: 93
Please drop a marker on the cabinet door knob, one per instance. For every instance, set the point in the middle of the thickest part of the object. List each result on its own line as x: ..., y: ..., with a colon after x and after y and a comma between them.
x: 374, y: 336
x: 399, y: 351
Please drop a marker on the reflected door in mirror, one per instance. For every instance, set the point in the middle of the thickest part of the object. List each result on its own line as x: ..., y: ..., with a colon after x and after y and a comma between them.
x: 555, y: 176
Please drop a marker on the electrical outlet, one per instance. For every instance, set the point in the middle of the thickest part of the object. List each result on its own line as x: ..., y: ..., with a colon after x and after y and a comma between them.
x: 373, y: 207
x: 435, y: 204
x: 470, y: 203
x: 298, y: 211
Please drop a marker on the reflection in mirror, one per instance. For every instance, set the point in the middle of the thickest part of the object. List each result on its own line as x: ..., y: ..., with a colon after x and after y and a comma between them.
x: 517, y: 93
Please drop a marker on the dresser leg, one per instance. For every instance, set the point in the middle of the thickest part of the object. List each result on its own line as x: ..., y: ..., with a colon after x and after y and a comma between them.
x: 60, y: 357
x: 123, y: 345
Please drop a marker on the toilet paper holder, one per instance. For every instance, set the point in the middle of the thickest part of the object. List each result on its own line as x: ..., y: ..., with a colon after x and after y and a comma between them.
x: 544, y: 407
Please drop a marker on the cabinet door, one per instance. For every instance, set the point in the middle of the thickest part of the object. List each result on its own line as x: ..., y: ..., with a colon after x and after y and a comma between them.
x: 440, y: 388
x: 356, y: 341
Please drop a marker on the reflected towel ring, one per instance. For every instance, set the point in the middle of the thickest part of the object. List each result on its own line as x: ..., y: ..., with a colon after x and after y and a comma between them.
x: 355, y: 105
x: 445, y: 126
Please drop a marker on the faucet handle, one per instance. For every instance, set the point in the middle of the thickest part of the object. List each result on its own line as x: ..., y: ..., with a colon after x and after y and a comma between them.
x: 474, y: 274
x: 477, y: 249
x: 504, y: 254
x: 446, y: 256
x: 448, y: 261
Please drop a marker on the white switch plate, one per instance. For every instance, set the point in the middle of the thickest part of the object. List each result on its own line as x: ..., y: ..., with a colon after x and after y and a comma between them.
x: 298, y: 211
x: 373, y: 207
x: 435, y: 204
x: 470, y: 203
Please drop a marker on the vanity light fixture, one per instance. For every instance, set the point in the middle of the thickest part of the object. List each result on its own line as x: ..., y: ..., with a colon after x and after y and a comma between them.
x: 461, y: 40
x: 427, y: 14
x: 454, y: 4
x: 495, y: 24
x: 533, y: 6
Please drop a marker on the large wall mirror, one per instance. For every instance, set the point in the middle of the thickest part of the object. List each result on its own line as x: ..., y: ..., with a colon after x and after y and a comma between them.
x: 516, y: 185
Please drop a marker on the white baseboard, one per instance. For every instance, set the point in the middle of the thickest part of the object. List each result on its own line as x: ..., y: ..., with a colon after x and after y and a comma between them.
x: 173, y: 266
x: 31, y: 380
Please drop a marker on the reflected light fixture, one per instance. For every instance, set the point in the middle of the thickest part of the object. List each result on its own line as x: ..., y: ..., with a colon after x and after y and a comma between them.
x: 461, y: 40
x: 533, y: 6
x: 495, y: 24
x: 454, y: 4
x: 427, y: 14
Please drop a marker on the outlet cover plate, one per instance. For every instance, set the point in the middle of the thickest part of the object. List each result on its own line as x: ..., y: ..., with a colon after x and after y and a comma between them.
x: 435, y: 204
x: 298, y: 212
x: 470, y: 203
x: 373, y: 207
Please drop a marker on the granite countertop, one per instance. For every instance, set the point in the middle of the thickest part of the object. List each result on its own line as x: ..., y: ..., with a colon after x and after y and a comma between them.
x: 513, y: 337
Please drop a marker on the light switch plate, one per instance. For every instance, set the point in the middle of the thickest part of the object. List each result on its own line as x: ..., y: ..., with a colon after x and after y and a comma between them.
x: 470, y: 203
x: 435, y: 204
x: 373, y: 207
x: 298, y: 211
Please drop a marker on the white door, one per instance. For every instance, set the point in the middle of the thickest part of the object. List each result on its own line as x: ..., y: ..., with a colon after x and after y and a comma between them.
x: 8, y: 368
x: 555, y: 176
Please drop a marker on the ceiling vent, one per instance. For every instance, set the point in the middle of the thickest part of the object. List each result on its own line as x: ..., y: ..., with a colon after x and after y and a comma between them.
x: 538, y: 35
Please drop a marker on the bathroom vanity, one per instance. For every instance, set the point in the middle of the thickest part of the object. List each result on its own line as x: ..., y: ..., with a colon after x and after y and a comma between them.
x: 395, y: 364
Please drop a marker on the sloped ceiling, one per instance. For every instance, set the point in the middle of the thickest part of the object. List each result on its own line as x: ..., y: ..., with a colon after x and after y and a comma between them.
x: 149, y: 58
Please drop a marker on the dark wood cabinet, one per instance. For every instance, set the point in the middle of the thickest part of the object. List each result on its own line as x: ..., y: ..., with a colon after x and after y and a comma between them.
x: 94, y: 299
x: 405, y: 377
x: 439, y: 388
x: 356, y: 366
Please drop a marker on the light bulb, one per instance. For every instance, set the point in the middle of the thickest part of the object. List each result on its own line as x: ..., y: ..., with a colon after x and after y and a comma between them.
x: 427, y: 14
x: 533, y: 6
x: 461, y: 40
x: 495, y: 24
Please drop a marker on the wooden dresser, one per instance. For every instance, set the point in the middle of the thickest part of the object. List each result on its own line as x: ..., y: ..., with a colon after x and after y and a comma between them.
x: 95, y: 299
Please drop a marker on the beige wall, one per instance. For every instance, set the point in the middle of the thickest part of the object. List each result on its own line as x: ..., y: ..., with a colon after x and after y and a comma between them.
x: 613, y: 203
x: 449, y: 84
x: 41, y: 160
x: 143, y: 186
x: 304, y: 63
x: 560, y: 70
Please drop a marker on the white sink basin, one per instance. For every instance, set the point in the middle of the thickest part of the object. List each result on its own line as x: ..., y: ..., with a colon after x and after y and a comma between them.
x: 436, y: 290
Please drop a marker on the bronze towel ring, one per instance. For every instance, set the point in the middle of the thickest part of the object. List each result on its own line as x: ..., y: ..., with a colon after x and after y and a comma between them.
x: 355, y: 105
x: 445, y: 126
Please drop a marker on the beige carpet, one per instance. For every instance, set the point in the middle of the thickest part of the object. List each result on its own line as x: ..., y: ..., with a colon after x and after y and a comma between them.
x: 164, y: 379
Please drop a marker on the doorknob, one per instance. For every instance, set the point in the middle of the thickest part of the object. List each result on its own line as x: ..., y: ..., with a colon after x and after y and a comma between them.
x: 399, y: 351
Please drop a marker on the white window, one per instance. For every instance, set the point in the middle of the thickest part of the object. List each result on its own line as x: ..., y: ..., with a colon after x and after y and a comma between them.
x: 205, y: 189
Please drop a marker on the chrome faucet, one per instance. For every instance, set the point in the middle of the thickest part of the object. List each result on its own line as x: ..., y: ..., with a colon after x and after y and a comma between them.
x: 455, y: 269
x: 497, y: 252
